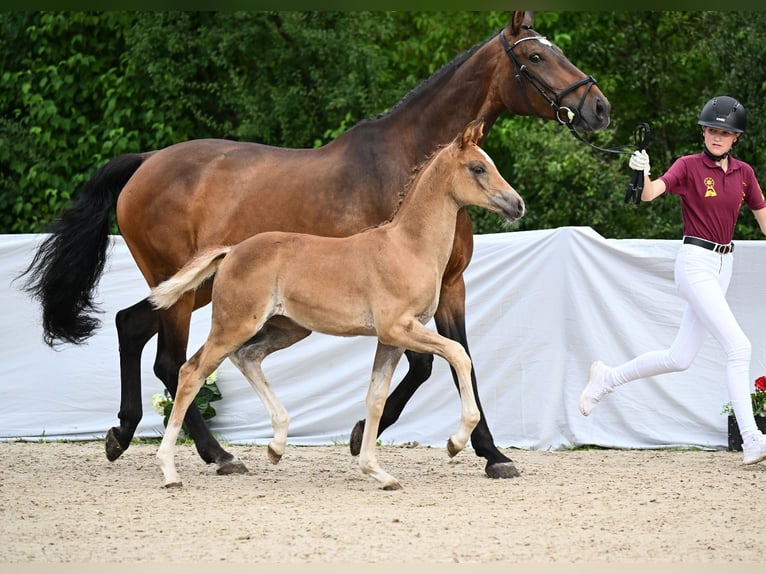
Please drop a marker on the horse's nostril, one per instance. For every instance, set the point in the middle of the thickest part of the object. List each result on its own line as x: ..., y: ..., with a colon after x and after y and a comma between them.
x: 602, y: 108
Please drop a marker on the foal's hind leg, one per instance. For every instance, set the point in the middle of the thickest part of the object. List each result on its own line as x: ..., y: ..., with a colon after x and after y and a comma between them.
x: 191, y: 378
x: 171, y: 353
x: 221, y: 343
x: 278, y: 333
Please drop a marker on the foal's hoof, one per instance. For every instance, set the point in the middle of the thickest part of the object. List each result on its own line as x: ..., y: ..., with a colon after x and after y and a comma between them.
x: 355, y: 442
x: 392, y: 486
x: 171, y: 485
x: 452, y: 450
x: 501, y: 470
x: 232, y: 466
x: 113, y: 447
x: 274, y: 457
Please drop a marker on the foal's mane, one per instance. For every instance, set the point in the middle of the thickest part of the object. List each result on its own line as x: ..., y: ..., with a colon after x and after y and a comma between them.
x: 417, y: 171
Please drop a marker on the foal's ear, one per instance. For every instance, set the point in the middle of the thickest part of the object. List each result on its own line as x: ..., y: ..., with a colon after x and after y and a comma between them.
x: 472, y: 133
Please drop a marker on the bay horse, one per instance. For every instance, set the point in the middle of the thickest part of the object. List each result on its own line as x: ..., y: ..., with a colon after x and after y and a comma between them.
x: 383, y: 282
x: 175, y: 202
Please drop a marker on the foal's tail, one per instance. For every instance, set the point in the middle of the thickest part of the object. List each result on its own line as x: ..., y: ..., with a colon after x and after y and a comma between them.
x: 191, y: 276
x: 68, y: 264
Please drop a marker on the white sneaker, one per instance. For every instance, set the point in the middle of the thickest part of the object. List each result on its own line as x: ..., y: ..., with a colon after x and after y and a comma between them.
x: 596, y: 388
x: 754, y: 449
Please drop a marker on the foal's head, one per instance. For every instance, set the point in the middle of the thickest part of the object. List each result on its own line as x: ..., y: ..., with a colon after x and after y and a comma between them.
x: 476, y: 180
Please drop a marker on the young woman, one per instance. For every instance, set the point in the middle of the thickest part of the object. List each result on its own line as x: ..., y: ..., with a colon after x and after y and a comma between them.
x: 713, y: 185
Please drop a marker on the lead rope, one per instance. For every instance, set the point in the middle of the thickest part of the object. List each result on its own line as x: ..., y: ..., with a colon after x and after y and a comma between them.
x: 641, y: 141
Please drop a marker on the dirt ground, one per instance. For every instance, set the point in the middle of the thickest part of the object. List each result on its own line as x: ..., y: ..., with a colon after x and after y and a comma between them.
x: 64, y: 502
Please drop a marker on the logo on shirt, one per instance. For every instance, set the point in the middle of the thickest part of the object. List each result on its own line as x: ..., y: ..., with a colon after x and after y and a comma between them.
x: 709, y: 189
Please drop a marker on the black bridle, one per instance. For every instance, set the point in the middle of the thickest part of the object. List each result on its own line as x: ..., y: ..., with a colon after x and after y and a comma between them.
x: 564, y: 114
x: 567, y: 116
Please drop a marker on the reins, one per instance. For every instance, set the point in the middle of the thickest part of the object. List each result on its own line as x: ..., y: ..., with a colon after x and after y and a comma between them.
x: 566, y: 115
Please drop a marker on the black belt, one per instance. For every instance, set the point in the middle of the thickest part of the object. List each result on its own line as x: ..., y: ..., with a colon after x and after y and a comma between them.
x: 717, y: 247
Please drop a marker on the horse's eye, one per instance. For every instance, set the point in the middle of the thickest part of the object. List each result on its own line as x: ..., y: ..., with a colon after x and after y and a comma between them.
x: 478, y: 169
x: 535, y: 58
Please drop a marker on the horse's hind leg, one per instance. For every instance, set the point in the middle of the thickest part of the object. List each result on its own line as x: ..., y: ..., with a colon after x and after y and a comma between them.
x: 278, y: 333
x: 171, y: 354
x: 135, y: 326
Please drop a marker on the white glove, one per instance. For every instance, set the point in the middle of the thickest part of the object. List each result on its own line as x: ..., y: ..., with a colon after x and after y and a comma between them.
x: 639, y: 160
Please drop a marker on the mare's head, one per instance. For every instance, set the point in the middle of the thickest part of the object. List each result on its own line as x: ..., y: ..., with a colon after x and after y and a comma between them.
x: 473, y: 177
x: 544, y: 83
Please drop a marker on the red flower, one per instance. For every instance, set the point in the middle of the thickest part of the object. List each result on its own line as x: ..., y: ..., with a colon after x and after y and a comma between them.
x: 760, y: 384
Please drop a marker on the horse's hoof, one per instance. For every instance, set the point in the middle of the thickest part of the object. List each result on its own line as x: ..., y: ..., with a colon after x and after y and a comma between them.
x: 177, y: 484
x: 232, y: 466
x: 274, y: 458
x: 355, y: 442
x: 501, y: 470
x: 392, y: 486
x: 113, y: 447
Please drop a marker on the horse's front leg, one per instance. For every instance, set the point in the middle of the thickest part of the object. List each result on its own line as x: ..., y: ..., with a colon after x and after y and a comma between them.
x: 135, y: 326
x: 450, y: 322
x: 171, y: 354
x: 386, y: 359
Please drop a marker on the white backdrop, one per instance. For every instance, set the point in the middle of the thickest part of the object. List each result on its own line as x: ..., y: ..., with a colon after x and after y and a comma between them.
x: 542, y: 305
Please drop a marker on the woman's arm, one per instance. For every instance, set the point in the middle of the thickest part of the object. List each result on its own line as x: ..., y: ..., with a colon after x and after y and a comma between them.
x: 639, y: 161
x: 760, y: 216
x: 656, y: 188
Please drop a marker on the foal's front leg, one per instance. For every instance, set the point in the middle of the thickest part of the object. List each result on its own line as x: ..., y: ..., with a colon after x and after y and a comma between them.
x: 415, y: 336
x: 386, y: 359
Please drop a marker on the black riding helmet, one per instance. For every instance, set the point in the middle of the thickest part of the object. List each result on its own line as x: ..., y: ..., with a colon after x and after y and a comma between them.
x: 724, y: 113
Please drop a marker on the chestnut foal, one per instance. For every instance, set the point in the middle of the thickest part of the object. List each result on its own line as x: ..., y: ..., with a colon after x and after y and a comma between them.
x: 275, y: 288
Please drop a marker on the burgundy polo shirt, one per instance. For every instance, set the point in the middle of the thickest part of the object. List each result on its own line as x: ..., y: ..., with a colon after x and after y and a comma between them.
x: 711, y: 198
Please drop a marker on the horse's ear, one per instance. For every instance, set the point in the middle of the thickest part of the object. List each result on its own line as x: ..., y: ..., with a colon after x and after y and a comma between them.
x: 472, y: 133
x: 519, y: 20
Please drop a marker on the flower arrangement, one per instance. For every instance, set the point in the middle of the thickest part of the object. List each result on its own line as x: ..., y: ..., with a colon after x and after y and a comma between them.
x: 758, y: 397
x: 163, y: 402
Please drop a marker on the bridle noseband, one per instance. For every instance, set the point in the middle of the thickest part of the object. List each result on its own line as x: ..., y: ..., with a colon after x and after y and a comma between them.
x: 564, y: 114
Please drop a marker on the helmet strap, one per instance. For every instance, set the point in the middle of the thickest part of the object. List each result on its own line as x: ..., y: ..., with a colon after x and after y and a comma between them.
x: 713, y: 156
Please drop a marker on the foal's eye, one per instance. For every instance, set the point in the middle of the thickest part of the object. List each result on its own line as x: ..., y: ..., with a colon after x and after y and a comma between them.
x: 535, y: 58
x: 478, y: 169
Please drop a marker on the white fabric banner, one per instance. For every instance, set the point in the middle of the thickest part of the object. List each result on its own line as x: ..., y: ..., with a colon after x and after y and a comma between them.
x: 541, y: 306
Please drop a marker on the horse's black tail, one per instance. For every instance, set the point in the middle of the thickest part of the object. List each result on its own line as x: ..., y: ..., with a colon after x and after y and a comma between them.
x: 69, y: 262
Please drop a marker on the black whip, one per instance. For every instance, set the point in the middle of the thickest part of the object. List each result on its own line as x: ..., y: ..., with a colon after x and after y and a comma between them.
x: 636, y: 185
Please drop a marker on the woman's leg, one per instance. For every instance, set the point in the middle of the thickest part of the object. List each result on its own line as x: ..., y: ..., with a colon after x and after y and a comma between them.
x: 702, y: 278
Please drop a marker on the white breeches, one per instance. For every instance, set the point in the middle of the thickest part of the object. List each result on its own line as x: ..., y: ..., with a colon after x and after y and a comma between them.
x: 702, y: 277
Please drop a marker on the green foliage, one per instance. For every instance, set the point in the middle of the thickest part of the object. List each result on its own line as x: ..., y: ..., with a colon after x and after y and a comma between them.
x: 209, y: 393
x: 78, y: 88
